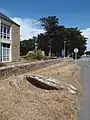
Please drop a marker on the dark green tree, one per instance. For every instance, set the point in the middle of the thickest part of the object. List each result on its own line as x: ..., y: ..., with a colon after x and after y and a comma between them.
x: 57, y: 34
x: 26, y: 46
x: 74, y: 39
x: 49, y: 23
x: 54, y: 37
x: 52, y: 33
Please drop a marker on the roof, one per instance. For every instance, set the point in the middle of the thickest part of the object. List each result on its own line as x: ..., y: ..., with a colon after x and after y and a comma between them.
x: 7, y: 18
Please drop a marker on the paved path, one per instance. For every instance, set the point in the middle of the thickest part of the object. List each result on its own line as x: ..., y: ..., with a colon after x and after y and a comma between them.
x: 84, y: 113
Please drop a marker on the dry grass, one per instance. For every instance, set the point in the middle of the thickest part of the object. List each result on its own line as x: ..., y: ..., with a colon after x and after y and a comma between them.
x: 32, y: 103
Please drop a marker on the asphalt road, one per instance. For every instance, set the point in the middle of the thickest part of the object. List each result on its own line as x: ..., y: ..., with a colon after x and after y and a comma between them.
x: 84, y: 113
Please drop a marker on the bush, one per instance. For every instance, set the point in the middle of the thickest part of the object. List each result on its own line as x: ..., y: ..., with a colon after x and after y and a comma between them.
x: 35, y: 55
x: 39, y: 54
x: 30, y: 56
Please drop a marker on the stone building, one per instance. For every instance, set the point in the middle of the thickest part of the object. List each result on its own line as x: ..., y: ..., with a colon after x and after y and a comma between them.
x: 9, y: 39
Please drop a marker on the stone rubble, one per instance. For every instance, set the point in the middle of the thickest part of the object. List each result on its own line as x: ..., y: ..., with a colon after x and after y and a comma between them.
x: 50, y: 83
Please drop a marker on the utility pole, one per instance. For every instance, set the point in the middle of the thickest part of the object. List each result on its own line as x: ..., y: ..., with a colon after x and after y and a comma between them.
x: 50, y: 51
x: 68, y: 48
x: 64, y: 49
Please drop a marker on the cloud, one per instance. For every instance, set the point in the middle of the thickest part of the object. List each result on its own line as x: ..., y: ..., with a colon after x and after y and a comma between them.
x: 86, y: 33
x: 28, y: 27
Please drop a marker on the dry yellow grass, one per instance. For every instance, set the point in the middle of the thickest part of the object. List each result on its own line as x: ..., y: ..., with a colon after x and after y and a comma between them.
x: 32, y: 103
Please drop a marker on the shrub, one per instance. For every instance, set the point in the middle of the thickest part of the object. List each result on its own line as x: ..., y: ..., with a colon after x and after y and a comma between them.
x: 30, y: 56
x: 39, y: 54
x: 35, y: 55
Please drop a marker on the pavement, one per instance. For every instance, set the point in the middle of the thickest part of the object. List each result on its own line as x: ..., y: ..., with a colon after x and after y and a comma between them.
x: 84, y: 113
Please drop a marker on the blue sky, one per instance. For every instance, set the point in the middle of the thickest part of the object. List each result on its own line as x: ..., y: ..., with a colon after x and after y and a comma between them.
x: 72, y: 13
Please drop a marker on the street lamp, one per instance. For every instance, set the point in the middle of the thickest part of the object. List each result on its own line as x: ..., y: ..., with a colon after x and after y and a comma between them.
x: 68, y: 48
x: 50, y: 50
x: 64, y: 49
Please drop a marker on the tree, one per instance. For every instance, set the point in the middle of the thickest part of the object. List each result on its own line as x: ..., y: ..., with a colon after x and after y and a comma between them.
x: 43, y: 43
x: 53, y: 38
x: 26, y: 46
x: 52, y: 34
x: 75, y: 40
x: 57, y: 34
x: 49, y: 23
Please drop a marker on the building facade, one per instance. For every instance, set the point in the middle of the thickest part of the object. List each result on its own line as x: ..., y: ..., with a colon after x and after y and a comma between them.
x: 9, y: 39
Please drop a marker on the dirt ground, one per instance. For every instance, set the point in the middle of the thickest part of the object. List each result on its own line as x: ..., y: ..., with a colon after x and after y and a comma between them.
x: 31, y: 103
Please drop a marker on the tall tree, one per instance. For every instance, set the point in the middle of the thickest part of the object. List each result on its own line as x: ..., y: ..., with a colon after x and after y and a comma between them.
x: 57, y: 34
x: 54, y: 38
x: 26, y: 46
x: 74, y: 39
x: 51, y: 26
x: 43, y: 42
x: 49, y: 23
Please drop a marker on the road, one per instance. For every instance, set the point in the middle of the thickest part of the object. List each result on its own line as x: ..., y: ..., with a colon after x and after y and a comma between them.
x: 84, y: 113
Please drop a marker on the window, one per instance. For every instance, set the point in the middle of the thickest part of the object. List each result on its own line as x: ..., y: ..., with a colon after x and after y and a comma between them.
x: 8, y: 33
x: 5, y: 55
x: 5, y: 31
x: 1, y: 31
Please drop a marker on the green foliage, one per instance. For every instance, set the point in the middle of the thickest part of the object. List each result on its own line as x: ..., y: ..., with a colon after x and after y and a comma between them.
x: 49, y: 23
x: 26, y: 46
x: 30, y: 56
x: 54, y: 37
x: 57, y: 34
x: 35, y: 55
x: 39, y: 54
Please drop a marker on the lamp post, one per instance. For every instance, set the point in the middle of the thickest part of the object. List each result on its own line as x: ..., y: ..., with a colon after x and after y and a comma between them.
x: 64, y: 49
x: 68, y: 48
x: 50, y: 50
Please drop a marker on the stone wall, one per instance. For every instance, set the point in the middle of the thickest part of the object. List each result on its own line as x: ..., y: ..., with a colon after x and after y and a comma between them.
x: 13, y: 70
x: 15, y: 42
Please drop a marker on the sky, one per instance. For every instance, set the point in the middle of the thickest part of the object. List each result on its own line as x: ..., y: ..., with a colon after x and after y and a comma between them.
x: 71, y: 13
